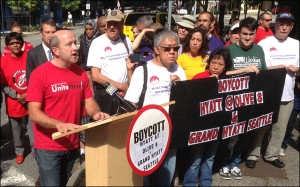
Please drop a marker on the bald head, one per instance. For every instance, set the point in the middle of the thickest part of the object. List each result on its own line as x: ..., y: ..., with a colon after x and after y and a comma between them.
x: 63, y: 46
x: 101, y: 25
x: 59, y: 36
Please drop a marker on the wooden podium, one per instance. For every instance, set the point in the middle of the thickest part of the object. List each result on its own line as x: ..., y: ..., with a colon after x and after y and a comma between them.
x: 106, y: 161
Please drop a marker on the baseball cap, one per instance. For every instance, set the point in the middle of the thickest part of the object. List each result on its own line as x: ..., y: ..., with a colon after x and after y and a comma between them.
x: 187, y: 21
x: 115, y: 15
x: 285, y: 15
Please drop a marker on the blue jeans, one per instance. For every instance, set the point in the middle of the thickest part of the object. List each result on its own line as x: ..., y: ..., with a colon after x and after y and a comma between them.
x: 202, y: 158
x: 55, y: 166
x: 163, y: 176
x: 239, y: 149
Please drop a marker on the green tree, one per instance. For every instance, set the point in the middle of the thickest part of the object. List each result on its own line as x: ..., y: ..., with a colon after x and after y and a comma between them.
x: 30, y: 5
x: 71, y: 4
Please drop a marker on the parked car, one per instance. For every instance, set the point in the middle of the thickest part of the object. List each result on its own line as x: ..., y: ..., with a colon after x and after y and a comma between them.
x: 131, y: 18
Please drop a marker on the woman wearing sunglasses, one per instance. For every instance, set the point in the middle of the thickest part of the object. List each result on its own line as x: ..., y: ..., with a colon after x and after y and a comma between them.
x: 194, y: 51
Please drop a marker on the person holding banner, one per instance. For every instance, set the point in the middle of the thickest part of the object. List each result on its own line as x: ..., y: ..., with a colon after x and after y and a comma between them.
x: 246, y: 57
x: 218, y: 64
x: 194, y: 52
x: 162, y: 72
x: 202, y: 155
x: 55, y: 103
x: 281, y: 51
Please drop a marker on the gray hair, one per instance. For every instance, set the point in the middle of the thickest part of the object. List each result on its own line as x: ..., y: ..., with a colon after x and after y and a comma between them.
x: 162, y: 34
x: 145, y: 20
x: 54, y: 41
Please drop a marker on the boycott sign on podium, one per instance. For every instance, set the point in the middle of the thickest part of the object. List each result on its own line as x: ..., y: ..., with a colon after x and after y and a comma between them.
x: 148, y: 139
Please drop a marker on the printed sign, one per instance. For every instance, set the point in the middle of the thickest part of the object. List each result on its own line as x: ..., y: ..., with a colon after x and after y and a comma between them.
x: 148, y: 139
x: 216, y: 109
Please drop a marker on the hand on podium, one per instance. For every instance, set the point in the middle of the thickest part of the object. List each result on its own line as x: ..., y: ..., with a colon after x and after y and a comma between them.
x: 100, y: 116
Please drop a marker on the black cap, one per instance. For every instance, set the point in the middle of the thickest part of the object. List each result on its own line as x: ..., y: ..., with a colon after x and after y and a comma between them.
x: 285, y: 15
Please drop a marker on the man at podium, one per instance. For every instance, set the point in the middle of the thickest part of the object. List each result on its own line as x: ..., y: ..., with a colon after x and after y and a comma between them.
x: 57, y: 92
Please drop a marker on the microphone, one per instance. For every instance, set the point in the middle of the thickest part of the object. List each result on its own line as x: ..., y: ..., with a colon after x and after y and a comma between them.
x: 112, y: 90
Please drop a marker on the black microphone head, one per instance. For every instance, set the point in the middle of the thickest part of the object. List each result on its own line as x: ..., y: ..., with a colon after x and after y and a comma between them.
x: 106, y: 84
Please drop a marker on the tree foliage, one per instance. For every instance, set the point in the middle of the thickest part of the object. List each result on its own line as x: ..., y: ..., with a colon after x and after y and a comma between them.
x: 30, y: 5
x: 71, y: 4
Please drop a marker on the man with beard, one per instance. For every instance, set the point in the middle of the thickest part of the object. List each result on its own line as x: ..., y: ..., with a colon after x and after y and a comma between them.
x: 207, y: 21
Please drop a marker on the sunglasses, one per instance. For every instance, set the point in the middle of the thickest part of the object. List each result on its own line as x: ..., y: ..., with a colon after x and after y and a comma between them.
x: 167, y: 49
x: 268, y: 20
x: 185, y: 28
x: 14, y: 43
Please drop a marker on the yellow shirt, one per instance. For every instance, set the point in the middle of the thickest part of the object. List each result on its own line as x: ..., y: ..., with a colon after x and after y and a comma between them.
x: 190, y: 65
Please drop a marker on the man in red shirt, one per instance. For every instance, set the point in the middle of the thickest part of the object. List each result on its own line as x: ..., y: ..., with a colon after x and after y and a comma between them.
x: 55, y: 103
x: 264, y: 29
x: 17, y: 27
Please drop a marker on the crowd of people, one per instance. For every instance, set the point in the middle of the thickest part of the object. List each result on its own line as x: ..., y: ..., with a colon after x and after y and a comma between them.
x: 56, y: 87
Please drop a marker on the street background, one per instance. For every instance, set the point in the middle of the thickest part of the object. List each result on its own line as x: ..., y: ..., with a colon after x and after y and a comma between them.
x: 26, y: 173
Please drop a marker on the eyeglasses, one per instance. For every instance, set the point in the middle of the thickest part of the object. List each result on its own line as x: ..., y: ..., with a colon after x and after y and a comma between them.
x: 268, y: 20
x: 203, y: 20
x: 14, y: 43
x: 167, y: 49
x: 185, y: 28
x: 101, y: 26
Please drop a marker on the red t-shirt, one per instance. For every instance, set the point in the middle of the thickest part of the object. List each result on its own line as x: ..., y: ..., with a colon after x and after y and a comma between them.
x: 61, y: 92
x: 26, y: 47
x: 202, y: 75
x: 227, y: 43
x: 13, y: 69
x: 262, y: 34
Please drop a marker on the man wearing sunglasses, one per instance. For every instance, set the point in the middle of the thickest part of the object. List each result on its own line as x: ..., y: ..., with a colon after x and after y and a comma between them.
x: 184, y: 26
x: 162, y: 71
x: 108, y: 59
x: 264, y: 30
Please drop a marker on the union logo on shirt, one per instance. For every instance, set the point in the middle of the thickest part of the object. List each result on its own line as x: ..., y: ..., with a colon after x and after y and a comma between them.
x: 273, y: 49
x: 107, y: 49
x: 154, y: 80
x: 19, y: 79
